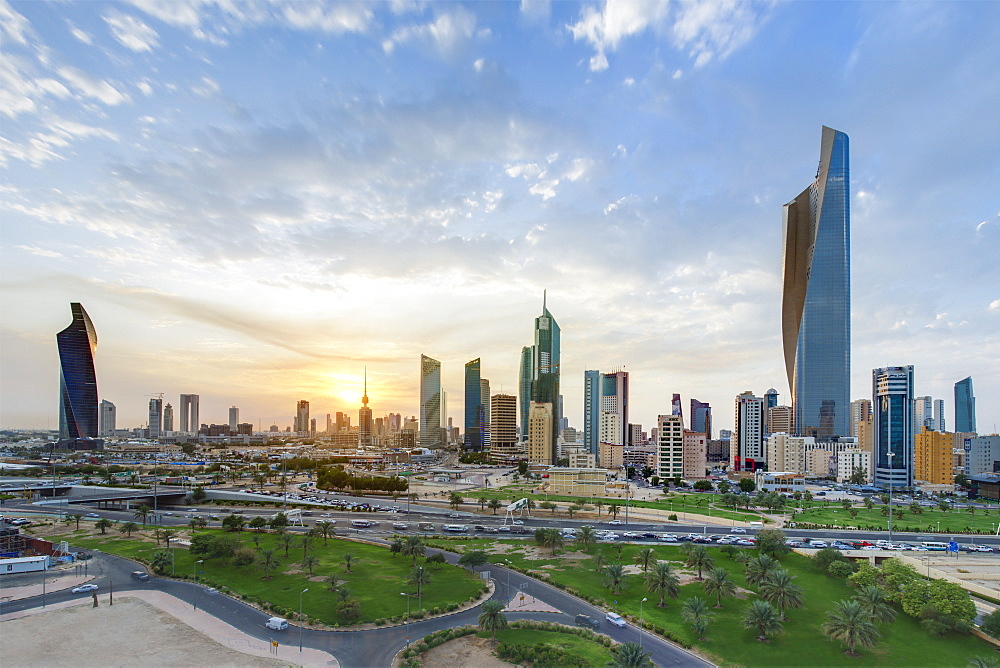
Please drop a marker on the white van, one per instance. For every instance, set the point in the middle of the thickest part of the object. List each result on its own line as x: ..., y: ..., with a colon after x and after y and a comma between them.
x: 277, y: 624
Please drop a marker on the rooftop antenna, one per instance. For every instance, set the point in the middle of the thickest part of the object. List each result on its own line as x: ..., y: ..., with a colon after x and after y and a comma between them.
x: 544, y: 299
x: 364, y: 399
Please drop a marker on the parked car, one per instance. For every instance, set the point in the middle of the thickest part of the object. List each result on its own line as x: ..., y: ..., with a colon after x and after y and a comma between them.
x: 615, y: 619
x: 588, y: 621
x: 83, y: 589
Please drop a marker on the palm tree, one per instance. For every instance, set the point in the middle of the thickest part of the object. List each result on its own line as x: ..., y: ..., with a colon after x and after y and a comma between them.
x: 873, y: 599
x: 455, y: 500
x: 662, y: 580
x: 599, y: 560
x: 142, y: 513
x: 699, y: 558
x: 325, y: 530
x: 850, y: 623
x: 306, y: 543
x: 643, y: 556
x: 286, y: 540
x: 763, y: 618
x: 586, y: 537
x: 309, y: 562
x: 419, y: 577
x: 780, y: 590
x: 348, y: 560
x: 495, y: 505
x: 613, y: 509
x: 160, y: 560
x: 742, y: 557
x: 630, y: 655
x: 168, y: 535
x: 599, y: 503
x: 614, y: 577
x: 127, y: 528
x: 549, y: 537
x: 413, y: 546
x: 759, y: 567
x: 719, y: 583
x: 695, y: 612
x: 267, y: 562
x: 492, y: 618
x: 396, y: 546
x: 333, y: 580
x: 104, y: 524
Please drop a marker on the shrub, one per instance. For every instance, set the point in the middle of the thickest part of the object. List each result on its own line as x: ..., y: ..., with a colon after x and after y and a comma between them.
x: 841, y: 569
x: 991, y: 624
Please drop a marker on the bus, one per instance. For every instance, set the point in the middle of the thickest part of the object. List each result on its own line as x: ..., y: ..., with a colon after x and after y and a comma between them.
x: 455, y: 528
x: 935, y: 545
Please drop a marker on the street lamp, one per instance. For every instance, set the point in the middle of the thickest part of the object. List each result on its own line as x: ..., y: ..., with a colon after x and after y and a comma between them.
x: 507, y: 561
x: 890, y: 455
x: 640, y: 621
x: 300, y: 616
x: 403, y: 593
x: 194, y: 575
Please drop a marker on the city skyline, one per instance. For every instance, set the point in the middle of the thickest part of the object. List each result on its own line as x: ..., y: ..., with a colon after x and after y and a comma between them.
x: 271, y: 200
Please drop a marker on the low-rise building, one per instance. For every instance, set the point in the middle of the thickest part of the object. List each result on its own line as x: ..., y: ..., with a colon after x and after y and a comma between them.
x: 576, y: 481
x: 783, y: 481
x: 852, y: 459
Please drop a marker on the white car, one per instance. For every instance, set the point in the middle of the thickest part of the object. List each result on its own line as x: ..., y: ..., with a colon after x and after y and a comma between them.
x: 666, y: 538
x: 615, y: 619
x: 83, y: 589
x: 518, y: 522
x: 616, y: 522
x: 739, y: 530
x: 91, y: 515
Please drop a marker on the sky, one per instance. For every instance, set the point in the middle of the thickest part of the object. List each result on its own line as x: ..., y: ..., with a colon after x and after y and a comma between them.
x: 255, y: 201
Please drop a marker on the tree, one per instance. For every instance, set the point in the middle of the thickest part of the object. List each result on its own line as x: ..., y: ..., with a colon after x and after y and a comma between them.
x: 522, y: 468
x: 572, y: 509
x: 858, y: 476
x: 780, y: 590
x: 549, y: 537
x: 349, y: 609
x: 875, y: 603
x: 325, y: 529
x: 436, y: 559
x: 258, y: 524
x: 695, y: 612
x: 548, y: 505
x: 267, y: 562
x: 945, y: 597
x: 759, y: 568
x: 396, y: 546
x: 747, y: 485
x: 306, y: 543
x: 279, y: 523
x: 419, y: 577
x: 455, y: 500
x: 961, y: 480
x: 413, y: 546
x: 771, y: 542
x: 244, y: 558
x: 586, y: 537
x: 630, y: 655
x: 869, y: 504
x: 720, y: 584
x: 944, y: 506
x: 141, y: 513
x: 67, y: 520
x: 840, y: 569
x: 473, y: 559
x: 643, y: 556
x: 763, y: 618
x: 104, y: 524
x: 613, y: 509
x: 699, y: 558
x: 234, y: 522
x: 197, y: 523
x: 849, y: 623
x: 492, y: 618
x: 702, y: 485
x: 168, y: 535
x: 333, y: 580
x: 599, y: 561
x: 495, y: 505
x: 286, y: 540
x: 160, y: 560
x: 991, y: 624
x: 199, y: 494
x: 744, y: 559
x: 348, y: 559
x: 127, y: 528
x: 662, y: 581
x: 599, y: 503
x: 614, y: 577
x: 823, y: 558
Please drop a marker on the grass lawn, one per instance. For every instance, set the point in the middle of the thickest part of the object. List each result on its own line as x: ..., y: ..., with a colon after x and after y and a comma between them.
x: 376, y: 578
x: 903, y: 643
x: 593, y: 653
x: 951, y: 521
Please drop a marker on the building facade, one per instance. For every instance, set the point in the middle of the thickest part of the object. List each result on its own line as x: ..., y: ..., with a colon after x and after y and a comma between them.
x: 526, y: 374
x: 108, y: 418
x: 546, y: 369
x: 591, y: 410
x: 851, y: 460
x: 982, y: 454
x: 816, y: 295
x: 695, y: 455
x: 475, y: 412
x: 78, y: 408
x: 168, y: 418
x: 155, y: 417
x: 301, y: 425
x: 701, y: 418
x: 892, y: 403
x: 541, y: 449
x: 503, y: 427
x: 747, y: 444
x: 933, y: 456
x: 965, y: 406
x: 234, y: 419
x: 190, y: 413
x: 430, y: 402
x: 670, y: 458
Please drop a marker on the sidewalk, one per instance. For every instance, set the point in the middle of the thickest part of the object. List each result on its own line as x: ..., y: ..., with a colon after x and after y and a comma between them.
x: 522, y: 602
x: 54, y: 581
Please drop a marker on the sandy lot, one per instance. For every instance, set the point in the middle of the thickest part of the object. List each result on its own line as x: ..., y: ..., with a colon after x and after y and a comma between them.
x: 466, y: 652
x: 129, y: 633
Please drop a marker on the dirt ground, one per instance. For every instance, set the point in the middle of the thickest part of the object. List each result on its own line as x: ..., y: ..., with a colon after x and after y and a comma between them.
x: 129, y: 633
x: 466, y: 652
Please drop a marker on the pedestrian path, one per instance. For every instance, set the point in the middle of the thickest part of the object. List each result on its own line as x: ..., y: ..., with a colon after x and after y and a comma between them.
x: 53, y: 582
x: 522, y: 602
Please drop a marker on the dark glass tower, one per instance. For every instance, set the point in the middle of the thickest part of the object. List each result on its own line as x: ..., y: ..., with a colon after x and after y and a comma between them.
x: 525, y: 378
x: 701, y: 418
x: 475, y: 411
x: 591, y: 411
x: 545, y: 368
x: 78, y: 414
x: 816, y: 295
x: 965, y: 406
x: 430, y: 402
x: 892, y: 414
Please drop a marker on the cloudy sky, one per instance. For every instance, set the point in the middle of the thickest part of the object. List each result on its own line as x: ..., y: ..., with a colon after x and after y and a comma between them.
x: 254, y: 200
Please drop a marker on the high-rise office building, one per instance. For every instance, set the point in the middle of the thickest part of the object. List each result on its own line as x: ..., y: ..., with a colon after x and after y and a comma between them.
x: 892, y: 401
x: 108, y: 418
x: 430, y: 402
x: 779, y: 420
x: 965, y: 406
x: 340, y: 423
x: 525, y: 376
x: 545, y: 370
x: 816, y: 295
x: 234, y: 419
x: 301, y: 417
x: 770, y: 401
x: 746, y: 450
x: 365, y: 424
x: 670, y: 448
x: 155, y: 417
x: 503, y: 427
x: 540, y: 427
x: 933, y: 457
x: 591, y: 410
x: 939, y: 421
x: 78, y: 414
x: 701, y: 418
x: 861, y: 411
x: 190, y: 413
x: 484, y: 393
x: 675, y: 405
x: 475, y: 414
x: 168, y: 418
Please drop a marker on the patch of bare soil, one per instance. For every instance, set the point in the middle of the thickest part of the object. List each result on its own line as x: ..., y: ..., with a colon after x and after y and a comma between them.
x: 465, y: 652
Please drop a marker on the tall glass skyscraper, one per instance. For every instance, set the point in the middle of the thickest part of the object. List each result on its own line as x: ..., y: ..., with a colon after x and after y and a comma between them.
x: 591, y: 411
x: 527, y: 373
x: 78, y: 414
x: 892, y: 404
x: 701, y: 418
x: 545, y: 369
x: 475, y: 412
x: 816, y: 295
x: 965, y: 406
x: 430, y: 402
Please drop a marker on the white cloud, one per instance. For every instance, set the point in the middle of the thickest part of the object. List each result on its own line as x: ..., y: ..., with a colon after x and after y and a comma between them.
x: 605, y: 28
x: 446, y: 33
x: 91, y: 87
x: 13, y: 26
x: 207, y: 87
x: 131, y: 32
x: 84, y: 37
x: 629, y: 82
x: 144, y: 86
x: 20, y: 91
x: 536, y: 11
x: 335, y: 19
x: 995, y: 305
x: 41, y: 252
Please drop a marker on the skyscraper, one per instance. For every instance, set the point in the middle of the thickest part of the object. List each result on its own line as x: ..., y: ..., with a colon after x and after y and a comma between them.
x: 108, y: 412
x: 923, y: 415
x: 526, y: 374
x: 503, y: 427
x: 614, y: 406
x: 430, y: 402
x: 545, y: 373
x: 78, y: 416
x: 301, y: 416
x: 591, y: 410
x: 965, y: 406
x: 484, y: 397
x: 190, y: 418
x: 365, y: 424
x: 675, y: 406
x: 701, y: 418
x: 892, y: 401
x: 234, y: 419
x: 861, y: 411
x: 155, y: 417
x: 475, y: 414
x: 746, y: 449
x: 168, y: 418
x: 816, y: 295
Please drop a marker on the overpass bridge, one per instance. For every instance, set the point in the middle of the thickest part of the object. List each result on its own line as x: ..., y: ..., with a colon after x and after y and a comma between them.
x: 118, y: 498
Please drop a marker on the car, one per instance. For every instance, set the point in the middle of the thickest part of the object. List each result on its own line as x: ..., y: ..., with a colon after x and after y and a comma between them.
x: 518, y: 522
x: 616, y: 522
x: 817, y: 544
x: 745, y: 542
x: 276, y: 624
x: 400, y: 526
x: 726, y: 541
x: 83, y: 589
x: 701, y: 539
x: 667, y: 538
x: 504, y: 529
x: 140, y: 576
x: 615, y: 619
x: 588, y: 621
x: 739, y: 530
x: 91, y: 515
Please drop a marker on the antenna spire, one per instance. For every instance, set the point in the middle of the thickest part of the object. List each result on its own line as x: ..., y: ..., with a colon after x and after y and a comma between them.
x: 544, y: 299
x: 364, y: 399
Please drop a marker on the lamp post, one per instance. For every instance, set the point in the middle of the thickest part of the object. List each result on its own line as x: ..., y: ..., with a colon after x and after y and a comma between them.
x: 640, y: 621
x: 194, y: 575
x: 403, y: 593
x: 300, y: 616
x: 890, y: 455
